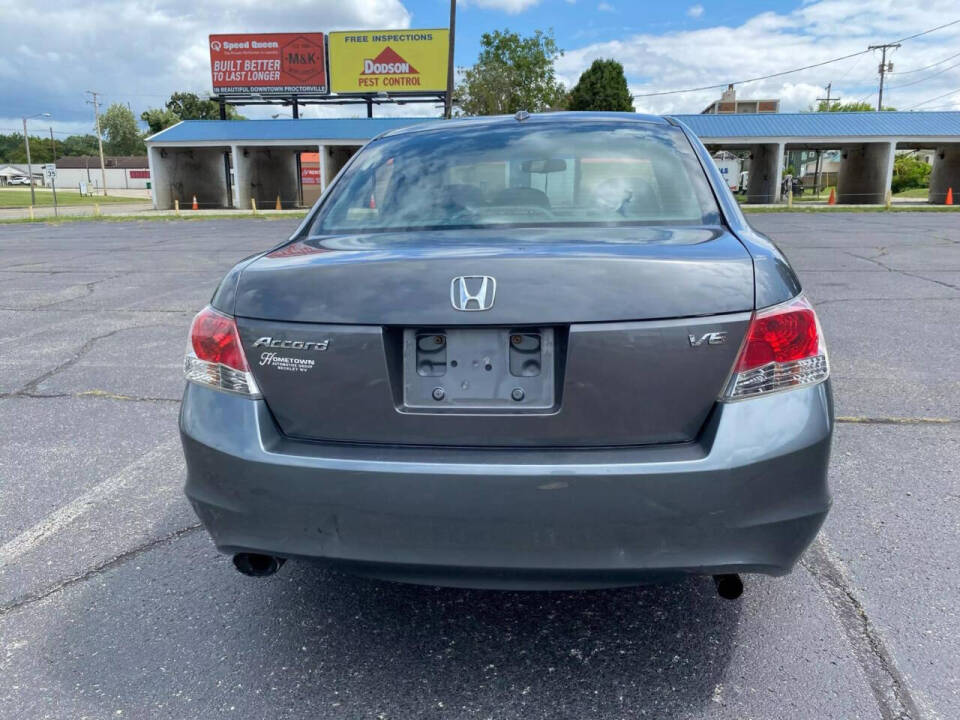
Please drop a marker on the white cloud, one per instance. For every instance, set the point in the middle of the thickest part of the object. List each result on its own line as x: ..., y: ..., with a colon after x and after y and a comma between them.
x: 770, y: 42
x: 139, y: 51
x: 695, y: 11
x: 605, y: 7
x: 511, y: 7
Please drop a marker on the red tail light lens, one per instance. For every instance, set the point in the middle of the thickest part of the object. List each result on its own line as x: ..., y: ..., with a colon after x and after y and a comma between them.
x: 214, y: 355
x: 782, y: 336
x: 783, y: 349
x: 215, y: 339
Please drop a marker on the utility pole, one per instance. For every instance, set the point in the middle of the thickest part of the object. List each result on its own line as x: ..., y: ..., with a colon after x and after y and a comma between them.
x: 884, y: 67
x: 448, y: 99
x: 828, y: 100
x: 96, y: 114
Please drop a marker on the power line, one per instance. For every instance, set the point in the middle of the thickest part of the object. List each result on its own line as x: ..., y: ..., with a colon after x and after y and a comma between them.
x: 756, y: 79
x: 924, y: 79
x: 795, y: 70
x: 908, y: 72
x: 952, y: 92
x: 17, y: 131
x: 927, y: 32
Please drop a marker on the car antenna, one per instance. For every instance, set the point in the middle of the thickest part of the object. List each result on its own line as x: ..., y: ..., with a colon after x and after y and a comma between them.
x: 521, y: 115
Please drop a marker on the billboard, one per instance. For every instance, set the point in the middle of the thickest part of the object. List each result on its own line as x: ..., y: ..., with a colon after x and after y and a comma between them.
x: 268, y: 63
x: 393, y: 61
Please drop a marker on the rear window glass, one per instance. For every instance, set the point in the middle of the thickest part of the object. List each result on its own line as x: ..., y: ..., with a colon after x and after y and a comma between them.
x: 536, y: 174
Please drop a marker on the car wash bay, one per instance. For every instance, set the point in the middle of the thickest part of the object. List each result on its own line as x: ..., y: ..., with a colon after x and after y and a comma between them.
x: 231, y: 163
x: 238, y: 163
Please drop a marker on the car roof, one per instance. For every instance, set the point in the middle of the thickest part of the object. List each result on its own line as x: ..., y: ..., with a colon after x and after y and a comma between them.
x: 548, y: 118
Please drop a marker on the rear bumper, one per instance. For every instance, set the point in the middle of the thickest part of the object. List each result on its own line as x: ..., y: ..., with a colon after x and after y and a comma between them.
x: 748, y: 496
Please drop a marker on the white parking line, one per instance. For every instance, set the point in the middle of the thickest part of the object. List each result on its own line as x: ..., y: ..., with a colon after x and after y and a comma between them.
x: 58, y: 520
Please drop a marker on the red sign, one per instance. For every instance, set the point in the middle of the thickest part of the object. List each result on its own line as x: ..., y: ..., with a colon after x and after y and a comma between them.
x: 139, y: 174
x: 268, y: 63
x: 310, y: 176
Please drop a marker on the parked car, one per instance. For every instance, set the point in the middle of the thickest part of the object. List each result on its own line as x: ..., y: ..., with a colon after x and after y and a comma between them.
x: 540, y: 351
x: 18, y: 180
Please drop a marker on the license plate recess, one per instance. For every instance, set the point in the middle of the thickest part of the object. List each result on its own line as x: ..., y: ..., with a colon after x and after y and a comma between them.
x: 482, y: 369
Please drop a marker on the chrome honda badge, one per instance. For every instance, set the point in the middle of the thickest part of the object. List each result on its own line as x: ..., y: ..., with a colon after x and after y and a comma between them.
x: 470, y: 293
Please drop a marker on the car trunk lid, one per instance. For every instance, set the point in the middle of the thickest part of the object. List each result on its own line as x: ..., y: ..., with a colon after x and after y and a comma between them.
x: 629, y: 338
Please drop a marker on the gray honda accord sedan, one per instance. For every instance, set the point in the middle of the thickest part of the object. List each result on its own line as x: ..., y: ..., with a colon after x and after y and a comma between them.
x: 535, y: 351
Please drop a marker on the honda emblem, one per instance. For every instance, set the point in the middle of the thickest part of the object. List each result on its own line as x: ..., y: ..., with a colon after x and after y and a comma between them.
x: 470, y: 293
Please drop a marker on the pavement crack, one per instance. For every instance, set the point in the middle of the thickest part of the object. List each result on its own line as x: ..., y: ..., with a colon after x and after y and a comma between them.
x: 89, y: 287
x: 31, y: 387
x: 96, y: 570
x: 882, y: 420
x: 100, y: 394
x: 887, y: 683
x: 883, y: 252
x: 831, y: 301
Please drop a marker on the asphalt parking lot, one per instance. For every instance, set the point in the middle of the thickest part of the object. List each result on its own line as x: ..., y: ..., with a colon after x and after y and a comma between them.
x: 114, y: 604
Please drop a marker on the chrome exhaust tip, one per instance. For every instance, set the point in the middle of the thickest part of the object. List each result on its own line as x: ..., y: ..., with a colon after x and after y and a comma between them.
x: 256, y: 565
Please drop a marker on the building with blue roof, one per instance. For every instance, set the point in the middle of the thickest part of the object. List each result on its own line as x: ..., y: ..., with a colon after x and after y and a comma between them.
x: 229, y: 163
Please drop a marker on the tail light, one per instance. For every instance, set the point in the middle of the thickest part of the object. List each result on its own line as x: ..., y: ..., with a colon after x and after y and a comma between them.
x: 783, y: 349
x: 214, y: 355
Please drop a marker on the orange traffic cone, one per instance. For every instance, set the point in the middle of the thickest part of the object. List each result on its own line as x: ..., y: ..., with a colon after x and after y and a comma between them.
x: 278, y: 206
x: 833, y: 197
x: 949, y: 200
x: 196, y: 205
x: 373, y: 202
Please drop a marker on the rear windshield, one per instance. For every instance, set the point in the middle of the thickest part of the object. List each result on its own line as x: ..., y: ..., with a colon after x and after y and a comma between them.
x: 536, y: 174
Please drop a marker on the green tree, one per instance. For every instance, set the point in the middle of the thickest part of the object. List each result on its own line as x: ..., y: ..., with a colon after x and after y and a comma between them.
x: 41, y: 151
x: 77, y: 145
x: 908, y: 172
x: 158, y: 119
x: 823, y: 106
x: 602, y: 86
x: 190, y: 106
x: 185, y: 106
x: 121, y: 133
x: 512, y: 73
x: 13, y: 151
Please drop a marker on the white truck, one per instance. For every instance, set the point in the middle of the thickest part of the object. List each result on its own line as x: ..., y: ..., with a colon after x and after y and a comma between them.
x: 730, y: 166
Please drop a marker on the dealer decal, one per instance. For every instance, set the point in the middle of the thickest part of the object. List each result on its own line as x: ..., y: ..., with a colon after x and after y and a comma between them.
x: 286, y: 364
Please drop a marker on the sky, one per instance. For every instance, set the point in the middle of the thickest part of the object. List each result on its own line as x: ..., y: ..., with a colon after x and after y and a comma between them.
x: 139, y: 51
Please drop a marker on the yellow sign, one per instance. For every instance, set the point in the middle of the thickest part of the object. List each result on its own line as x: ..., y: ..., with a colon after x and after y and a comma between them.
x: 393, y: 61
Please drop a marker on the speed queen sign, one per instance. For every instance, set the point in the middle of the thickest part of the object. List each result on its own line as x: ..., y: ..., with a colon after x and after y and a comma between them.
x: 268, y: 63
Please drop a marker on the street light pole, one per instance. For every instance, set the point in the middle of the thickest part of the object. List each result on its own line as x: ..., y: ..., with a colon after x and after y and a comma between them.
x: 26, y: 143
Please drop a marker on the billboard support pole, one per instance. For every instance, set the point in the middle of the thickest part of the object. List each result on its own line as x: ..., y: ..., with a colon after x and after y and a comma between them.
x: 296, y: 116
x: 369, y: 107
x: 448, y: 98
x: 226, y: 155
